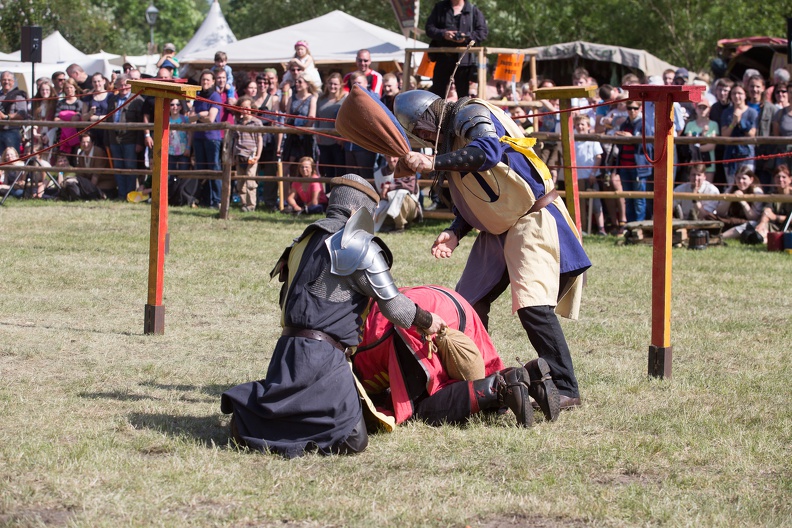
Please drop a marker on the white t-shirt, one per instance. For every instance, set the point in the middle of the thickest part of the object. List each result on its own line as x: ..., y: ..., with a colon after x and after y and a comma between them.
x: 586, y: 153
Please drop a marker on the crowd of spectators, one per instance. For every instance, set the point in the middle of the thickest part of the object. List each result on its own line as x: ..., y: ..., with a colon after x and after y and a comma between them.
x: 751, y: 107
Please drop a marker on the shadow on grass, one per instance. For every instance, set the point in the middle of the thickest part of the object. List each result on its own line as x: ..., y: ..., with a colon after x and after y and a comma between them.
x: 211, y: 390
x: 120, y: 396
x: 207, y: 431
x: 67, y: 328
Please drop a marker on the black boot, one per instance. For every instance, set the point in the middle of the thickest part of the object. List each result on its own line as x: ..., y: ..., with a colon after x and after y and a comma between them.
x: 542, y: 389
x: 509, y: 387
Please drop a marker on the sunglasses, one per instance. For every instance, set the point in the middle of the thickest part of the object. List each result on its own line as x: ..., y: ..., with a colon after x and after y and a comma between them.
x: 633, y: 108
x: 296, y: 69
x: 781, y: 91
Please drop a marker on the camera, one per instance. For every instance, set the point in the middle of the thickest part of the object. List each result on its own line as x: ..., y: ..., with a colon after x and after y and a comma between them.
x: 117, y: 71
x: 459, y: 36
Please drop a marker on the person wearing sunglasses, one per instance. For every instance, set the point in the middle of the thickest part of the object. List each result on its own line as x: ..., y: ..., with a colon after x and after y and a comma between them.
x: 373, y: 78
x: 632, y: 160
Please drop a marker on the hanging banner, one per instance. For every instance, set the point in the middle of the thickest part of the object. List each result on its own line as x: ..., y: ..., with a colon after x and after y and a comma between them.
x: 406, y: 14
x: 509, y: 67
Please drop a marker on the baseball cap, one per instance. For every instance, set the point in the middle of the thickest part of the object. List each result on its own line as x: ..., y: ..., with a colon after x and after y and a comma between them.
x: 682, y: 72
x: 170, y: 46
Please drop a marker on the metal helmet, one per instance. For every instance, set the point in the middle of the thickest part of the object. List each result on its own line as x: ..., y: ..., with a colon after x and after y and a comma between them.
x: 351, y: 192
x: 409, y: 106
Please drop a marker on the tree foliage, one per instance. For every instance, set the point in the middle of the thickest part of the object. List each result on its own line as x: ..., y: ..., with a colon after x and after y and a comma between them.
x: 682, y: 32
x: 116, y: 26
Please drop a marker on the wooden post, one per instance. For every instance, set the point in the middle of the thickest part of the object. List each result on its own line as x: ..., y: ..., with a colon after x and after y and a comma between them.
x: 565, y: 94
x: 408, y: 69
x: 481, y: 63
x: 281, y: 194
x: 225, y: 186
x: 163, y: 92
x: 660, y: 349
x: 534, y: 81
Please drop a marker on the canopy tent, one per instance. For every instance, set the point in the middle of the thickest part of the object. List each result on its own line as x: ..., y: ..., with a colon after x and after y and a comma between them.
x: 765, y: 54
x: 56, y: 54
x: 334, y: 38
x: 605, y: 63
x: 213, y: 35
x: 54, y: 49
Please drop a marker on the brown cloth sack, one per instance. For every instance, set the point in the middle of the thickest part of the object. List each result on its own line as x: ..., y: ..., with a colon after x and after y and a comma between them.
x: 459, y: 354
x: 367, y: 122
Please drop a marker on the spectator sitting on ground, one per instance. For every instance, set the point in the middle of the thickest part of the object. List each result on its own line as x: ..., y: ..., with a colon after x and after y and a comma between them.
x: 89, y: 156
x: 10, y: 158
x: 75, y: 187
x: 221, y: 63
x: 775, y: 215
x: 736, y: 216
x: 399, y: 199
x: 696, y: 209
x: 308, y: 197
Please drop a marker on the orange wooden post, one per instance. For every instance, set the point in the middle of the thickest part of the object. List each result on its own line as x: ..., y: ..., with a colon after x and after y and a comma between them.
x: 163, y: 92
x: 660, y: 349
x: 565, y: 94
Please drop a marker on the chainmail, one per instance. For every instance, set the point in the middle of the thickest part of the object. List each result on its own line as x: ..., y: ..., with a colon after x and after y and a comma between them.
x: 446, y: 129
x: 400, y: 310
x: 341, y: 202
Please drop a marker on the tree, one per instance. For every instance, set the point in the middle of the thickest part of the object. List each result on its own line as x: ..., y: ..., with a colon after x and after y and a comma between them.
x: 116, y: 26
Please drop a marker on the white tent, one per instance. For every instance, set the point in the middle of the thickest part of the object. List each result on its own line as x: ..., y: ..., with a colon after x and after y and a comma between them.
x: 333, y: 38
x: 213, y: 35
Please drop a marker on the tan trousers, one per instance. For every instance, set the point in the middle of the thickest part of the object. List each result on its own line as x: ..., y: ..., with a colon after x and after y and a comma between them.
x: 247, y: 188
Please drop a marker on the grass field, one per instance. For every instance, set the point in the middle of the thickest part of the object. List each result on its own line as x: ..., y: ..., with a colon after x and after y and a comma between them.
x: 101, y: 425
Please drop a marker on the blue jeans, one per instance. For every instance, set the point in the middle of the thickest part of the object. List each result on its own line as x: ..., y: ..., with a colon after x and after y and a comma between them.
x: 635, y: 208
x: 10, y: 138
x: 124, y: 157
x: 207, y: 157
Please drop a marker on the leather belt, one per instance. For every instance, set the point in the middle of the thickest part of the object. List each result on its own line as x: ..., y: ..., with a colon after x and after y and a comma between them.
x: 543, y: 202
x: 312, y: 334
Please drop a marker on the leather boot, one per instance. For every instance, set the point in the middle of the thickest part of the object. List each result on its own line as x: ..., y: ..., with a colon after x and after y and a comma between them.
x: 509, y: 387
x: 542, y: 389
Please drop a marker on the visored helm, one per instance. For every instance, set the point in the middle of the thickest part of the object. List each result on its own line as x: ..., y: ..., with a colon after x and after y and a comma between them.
x: 409, y: 106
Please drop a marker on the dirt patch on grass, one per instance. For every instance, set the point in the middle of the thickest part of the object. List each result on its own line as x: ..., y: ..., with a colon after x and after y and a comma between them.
x: 535, y: 521
x: 37, y: 517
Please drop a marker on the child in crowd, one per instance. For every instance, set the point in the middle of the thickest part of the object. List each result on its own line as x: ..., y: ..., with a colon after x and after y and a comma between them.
x: 588, y: 155
x: 221, y: 63
x: 247, y: 151
x: 302, y: 55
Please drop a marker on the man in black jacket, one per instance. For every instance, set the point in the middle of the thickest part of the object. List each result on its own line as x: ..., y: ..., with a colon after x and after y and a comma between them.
x: 454, y: 23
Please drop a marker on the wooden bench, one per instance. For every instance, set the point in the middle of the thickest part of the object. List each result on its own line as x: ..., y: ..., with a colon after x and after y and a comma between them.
x: 641, y: 232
